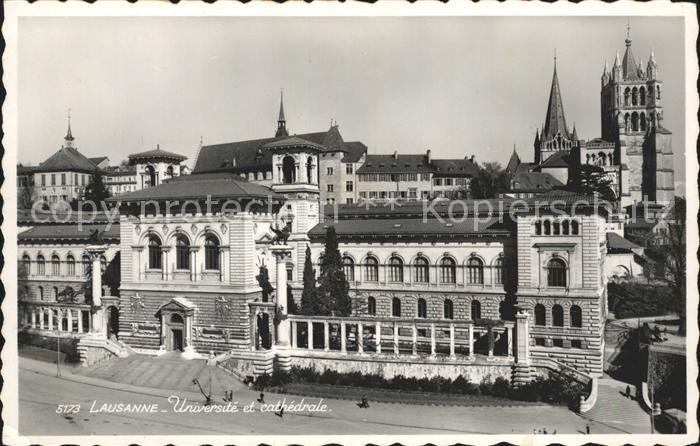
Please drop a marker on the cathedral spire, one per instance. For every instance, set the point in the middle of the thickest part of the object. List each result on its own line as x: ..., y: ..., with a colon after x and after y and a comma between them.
x: 281, y: 121
x: 555, y: 121
x: 629, y: 65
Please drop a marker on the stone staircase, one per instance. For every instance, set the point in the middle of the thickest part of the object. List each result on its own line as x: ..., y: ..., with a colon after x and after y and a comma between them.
x: 95, y: 349
x: 616, y: 411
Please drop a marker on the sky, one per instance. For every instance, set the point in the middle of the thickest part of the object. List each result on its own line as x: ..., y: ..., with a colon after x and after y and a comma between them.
x: 459, y: 86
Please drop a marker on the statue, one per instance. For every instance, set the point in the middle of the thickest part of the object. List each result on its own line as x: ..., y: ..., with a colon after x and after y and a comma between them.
x: 281, y: 235
x: 95, y: 238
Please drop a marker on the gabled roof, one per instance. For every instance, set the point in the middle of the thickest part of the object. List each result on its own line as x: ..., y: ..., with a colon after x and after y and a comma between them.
x: 222, y: 185
x: 454, y: 167
x: 67, y: 159
x: 68, y: 232
x: 395, y: 164
x: 617, y: 243
x: 293, y: 141
x: 555, y: 122
x: 98, y: 160
x: 533, y: 182
x: 24, y: 170
x: 558, y: 159
x: 255, y: 154
x: 353, y: 151
x: 156, y: 154
x: 513, y: 163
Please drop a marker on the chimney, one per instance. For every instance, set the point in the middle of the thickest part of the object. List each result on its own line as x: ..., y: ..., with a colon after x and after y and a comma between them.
x: 430, y: 158
x: 396, y: 154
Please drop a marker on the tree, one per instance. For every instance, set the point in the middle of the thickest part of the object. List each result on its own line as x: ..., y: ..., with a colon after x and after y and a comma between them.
x: 670, y: 252
x: 291, y: 304
x: 589, y: 179
x: 263, y: 278
x: 490, y: 181
x: 333, y: 287
x: 96, y: 191
x: 309, y: 295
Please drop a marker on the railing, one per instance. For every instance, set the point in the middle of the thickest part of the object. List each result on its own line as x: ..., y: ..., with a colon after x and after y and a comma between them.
x: 55, y: 316
x: 398, y: 336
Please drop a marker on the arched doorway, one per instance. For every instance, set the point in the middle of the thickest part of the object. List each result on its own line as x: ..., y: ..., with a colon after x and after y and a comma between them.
x: 264, y: 334
x: 112, y: 323
x: 176, y: 328
x: 289, y: 170
x: 150, y: 176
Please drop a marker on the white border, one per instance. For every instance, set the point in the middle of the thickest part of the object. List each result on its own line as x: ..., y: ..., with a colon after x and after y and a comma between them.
x: 16, y: 9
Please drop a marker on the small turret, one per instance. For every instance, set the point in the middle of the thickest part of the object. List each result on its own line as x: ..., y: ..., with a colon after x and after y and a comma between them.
x: 652, y: 69
x: 68, y: 139
x: 617, y: 68
x: 281, y: 120
x: 605, y: 78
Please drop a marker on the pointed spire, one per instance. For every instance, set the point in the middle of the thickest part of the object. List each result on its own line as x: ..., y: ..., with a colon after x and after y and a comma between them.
x: 617, y: 59
x: 514, y: 162
x: 69, y: 134
x: 652, y: 60
x: 574, y: 136
x: 605, y: 67
x: 555, y: 121
x: 281, y: 121
x: 629, y: 65
x: 537, y: 136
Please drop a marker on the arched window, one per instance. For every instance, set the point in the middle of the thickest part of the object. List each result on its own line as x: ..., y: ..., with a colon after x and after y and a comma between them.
x: 557, y: 316
x: 55, y: 293
x: 86, y: 265
x: 371, y: 269
x: 635, y: 122
x: 309, y: 170
x: 103, y: 263
x: 538, y: 227
x: 211, y: 253
x: 150, y: 176
x: 574, y: 227
x: 349, y: 269
x: 547, y: 227
x: 40, y: 290
x: 627, y: 96
x: 575, y: 317
x: 289, y: 170
x: 475, y: 270
x: 565, y: 227
x: 55, y: 265
x: 642, y: 122
x: 556, y: 228
x: 448, y: 309
x: 610, y: 159
x: 642, y: 96
x: 627, y: 122
x: 26, y: 265
x: 634, y: 96
x: 422, y: 270
x: 556, y: 273
x: 448, y: 270
x: 371, y: 306
x: 169, y: 172
x: 155, y: 249
x: 540, y: 315
x: 476, y: 309
x: 422, y: 308
x: 396, y: 307
x: 182, y: 252
x: 658, y: 92
x: 498, y: 270
x: 70, y: 265
x: 395, y: 269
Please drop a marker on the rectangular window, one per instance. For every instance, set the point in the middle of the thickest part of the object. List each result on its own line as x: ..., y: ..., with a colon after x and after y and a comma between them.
x: 412, y: 193
x: 63, y: 179
x: 75, y: 179
x: 558, y: 342
x: 363, y: 194
x: 448, y: 181
x: 43, y: 179
x: 373, y: 194
x: 348, y: 169
x: 348, y: 186
x: 437, y: 181
x: 349, y: 200
x: 539, y: 341
x: 329, y: 171
x: 576, y: 343
x: 329, y: 188
x: 53, y: 179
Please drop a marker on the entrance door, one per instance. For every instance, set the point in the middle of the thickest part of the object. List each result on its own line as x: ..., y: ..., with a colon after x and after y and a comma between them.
x: 177, y: 339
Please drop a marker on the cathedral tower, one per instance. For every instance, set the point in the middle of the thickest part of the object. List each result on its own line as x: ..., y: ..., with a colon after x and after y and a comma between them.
x: 631, y: 117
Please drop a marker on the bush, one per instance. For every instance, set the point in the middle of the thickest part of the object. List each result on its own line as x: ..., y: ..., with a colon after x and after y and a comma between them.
x: 501, y: 387
x: 633, y: 299
x: 557, y: 388
x: 69, y: 346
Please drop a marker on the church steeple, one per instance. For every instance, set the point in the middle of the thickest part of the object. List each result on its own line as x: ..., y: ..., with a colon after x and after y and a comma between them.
x: 68, y: 140
x: 629, y: 65
x: 281, y: 121
x: 555, y: 121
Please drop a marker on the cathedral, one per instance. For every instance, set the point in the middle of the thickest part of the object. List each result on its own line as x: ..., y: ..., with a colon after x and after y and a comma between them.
x: 634, y: 149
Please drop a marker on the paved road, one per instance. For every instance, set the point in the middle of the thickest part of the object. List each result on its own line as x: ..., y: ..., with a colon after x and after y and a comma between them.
x: 41, y: 392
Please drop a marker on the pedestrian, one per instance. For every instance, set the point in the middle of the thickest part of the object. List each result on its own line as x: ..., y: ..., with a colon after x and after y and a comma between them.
x: 365, y: 404
x: 280, y: 413
x: 627, y: 392
x: 261, y: 400
x: 588, y: 428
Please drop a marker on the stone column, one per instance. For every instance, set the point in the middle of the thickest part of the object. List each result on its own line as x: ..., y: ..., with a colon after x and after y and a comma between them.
x: 510, y: 341
x: 98, y: 315
x: 452, y: 340
x: 360, y: 338
x: 41, y: 318
x: 50, y: 327
x: 432, y: 339
x: 309, y: 335
x: 378, y: 336
x: 294, y: 334
x: 282, y: 253
x: 69, y: 315
x: 471, y: 341
x: 343, y: 345
x: 326, y: 337
x: 414, y: 350
x: 396, y: 339
x: 522, y: 337
x: 80, y: 321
